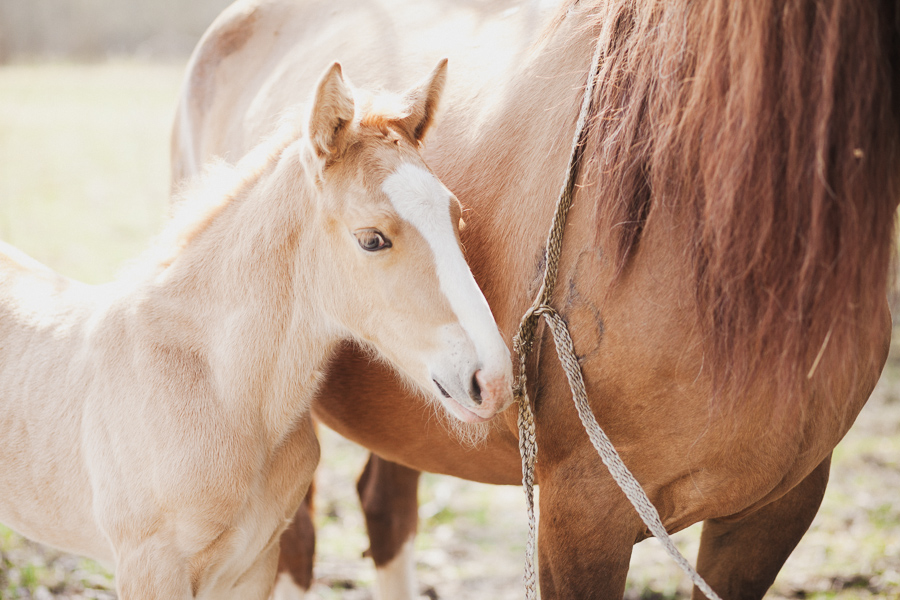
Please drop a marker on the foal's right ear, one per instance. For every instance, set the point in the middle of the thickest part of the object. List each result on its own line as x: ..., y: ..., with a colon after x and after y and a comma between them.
x: 422, y: 102
x: 332, y: 112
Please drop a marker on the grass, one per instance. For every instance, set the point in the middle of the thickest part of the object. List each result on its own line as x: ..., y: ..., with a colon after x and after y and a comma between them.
x: 84, y: 161
x: 83, y: 186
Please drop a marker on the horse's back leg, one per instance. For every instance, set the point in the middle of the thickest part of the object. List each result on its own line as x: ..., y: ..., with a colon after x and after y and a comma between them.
x: 740, y: 559
x: 388, y: 493
x: 298, y: 547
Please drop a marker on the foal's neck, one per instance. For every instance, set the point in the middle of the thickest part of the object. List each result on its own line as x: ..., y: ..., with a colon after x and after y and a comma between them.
x: 244, y: 294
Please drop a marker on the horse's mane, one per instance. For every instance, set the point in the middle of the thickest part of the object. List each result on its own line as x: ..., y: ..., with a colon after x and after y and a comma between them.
x: 772, y: 128
x: 199, y: 200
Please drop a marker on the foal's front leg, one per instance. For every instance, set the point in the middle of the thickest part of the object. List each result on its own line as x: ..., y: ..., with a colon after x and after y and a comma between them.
x: 152, y: 569
x: 298, y: 548
x: 258, y: 581
x: 156, y: 570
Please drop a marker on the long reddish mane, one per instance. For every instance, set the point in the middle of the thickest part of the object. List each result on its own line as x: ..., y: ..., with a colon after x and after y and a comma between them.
x: 773, y: 126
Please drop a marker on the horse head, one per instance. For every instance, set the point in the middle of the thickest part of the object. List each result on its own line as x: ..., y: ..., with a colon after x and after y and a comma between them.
x: 403, y: 285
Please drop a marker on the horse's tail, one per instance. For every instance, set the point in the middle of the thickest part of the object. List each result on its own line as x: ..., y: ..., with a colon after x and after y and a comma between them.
x: 775, y: 127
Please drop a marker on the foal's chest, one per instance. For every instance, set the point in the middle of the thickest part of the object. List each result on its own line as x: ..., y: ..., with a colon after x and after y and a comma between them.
x: 247, y: 546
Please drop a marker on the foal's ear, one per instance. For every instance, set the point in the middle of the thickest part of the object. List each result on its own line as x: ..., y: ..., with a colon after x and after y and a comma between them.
x: 332, y: 112
x: 422, y: 102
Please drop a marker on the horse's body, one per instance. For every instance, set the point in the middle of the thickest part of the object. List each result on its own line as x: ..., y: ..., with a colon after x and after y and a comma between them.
x: 724, y: 264
x: 162, y: 422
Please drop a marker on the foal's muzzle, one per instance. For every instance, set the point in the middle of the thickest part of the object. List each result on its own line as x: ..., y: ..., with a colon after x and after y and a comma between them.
x: 483, y: 396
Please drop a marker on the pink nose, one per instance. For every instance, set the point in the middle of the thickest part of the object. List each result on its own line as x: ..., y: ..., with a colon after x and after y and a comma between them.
x: 491, y: 393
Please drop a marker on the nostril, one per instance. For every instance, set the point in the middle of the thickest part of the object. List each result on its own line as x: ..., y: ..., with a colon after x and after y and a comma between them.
x: 441, y: 388
x: 476, y: 389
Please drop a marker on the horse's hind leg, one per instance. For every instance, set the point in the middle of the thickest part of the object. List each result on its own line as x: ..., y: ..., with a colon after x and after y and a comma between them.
x: 388, y: 493
x: 298, y: 547
x: 741, y: 558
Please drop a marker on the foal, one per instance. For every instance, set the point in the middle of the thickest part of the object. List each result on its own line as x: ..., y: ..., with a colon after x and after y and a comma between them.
x: 162, y: 421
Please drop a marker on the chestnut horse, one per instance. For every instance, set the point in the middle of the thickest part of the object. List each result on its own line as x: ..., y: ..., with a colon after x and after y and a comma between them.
x: 162, y: 422
x: 724, y: 266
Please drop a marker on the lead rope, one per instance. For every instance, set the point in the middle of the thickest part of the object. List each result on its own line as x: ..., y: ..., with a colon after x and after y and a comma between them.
x: 522, y: 344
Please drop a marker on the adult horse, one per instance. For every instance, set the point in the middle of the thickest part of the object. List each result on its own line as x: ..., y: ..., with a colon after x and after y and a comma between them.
x: 724, y: 265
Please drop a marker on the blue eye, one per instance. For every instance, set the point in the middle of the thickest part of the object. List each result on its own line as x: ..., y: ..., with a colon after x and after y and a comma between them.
x: 372, y: 240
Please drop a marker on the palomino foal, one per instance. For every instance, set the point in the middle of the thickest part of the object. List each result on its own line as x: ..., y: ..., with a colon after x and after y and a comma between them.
x: 162, y: 421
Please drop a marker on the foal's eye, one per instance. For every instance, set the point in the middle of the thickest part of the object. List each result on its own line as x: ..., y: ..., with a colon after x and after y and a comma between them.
x: 372, y: 240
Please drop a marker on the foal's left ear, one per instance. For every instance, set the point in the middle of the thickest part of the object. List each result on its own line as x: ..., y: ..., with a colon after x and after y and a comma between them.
x: 332, y: 112
x: 422, y: 102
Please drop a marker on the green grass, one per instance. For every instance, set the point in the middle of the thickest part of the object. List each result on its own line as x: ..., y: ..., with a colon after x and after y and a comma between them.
x: 84, y: 161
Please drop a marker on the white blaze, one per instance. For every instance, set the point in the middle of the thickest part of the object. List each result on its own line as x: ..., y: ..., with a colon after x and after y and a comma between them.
x: 422, y: 200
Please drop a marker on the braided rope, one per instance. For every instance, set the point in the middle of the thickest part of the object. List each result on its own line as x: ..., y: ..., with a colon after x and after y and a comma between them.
x: 522, y: 344
x: 620, y: 473
x: 528, y: 451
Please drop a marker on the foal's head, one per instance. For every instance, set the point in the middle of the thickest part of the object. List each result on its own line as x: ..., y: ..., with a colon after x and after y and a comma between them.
x: 402, y: 286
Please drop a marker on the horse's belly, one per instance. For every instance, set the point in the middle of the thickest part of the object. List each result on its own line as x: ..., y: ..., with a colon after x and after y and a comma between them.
x: 46, y: 497
x: 73, y: 533
x: 363, y: 401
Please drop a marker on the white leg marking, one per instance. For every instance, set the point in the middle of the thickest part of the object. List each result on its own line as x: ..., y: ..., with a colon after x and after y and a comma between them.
x: 286, y: 589
x: 397, y: 579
